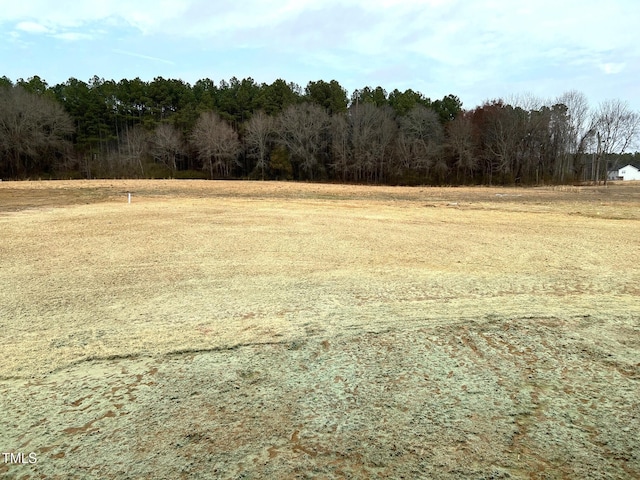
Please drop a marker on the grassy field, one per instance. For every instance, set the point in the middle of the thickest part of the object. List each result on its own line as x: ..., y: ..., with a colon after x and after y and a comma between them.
x: 281, y: 330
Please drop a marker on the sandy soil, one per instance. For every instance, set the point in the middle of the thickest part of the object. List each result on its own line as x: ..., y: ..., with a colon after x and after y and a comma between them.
x: 278, y: 330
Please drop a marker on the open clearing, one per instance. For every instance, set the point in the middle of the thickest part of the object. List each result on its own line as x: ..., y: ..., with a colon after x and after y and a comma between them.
x: 278, y: 330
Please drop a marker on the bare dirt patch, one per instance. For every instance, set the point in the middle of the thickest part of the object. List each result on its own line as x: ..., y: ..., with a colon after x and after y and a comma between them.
x: 277, y: 330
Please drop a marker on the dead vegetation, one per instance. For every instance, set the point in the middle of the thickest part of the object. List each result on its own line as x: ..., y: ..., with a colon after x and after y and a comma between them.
x: 256, y: 330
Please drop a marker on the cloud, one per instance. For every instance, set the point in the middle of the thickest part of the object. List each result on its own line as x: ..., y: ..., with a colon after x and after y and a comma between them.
x: 454, y: 26
x: 38, y: 28
x: 72, y: 36
x: 612, y: 68
x: 32, y: 27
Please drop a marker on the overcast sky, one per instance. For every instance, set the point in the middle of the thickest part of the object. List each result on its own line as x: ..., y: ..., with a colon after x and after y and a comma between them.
x: 475, y: 49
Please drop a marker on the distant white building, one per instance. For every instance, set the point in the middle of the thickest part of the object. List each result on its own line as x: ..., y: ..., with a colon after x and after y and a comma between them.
x: 625, y: 173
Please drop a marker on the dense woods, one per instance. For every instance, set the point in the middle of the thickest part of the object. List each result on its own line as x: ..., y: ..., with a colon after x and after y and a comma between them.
x: 242, y: 129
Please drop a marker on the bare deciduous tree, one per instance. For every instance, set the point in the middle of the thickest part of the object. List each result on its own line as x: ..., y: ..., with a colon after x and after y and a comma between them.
x: 217, y: 144
x: 166, y: 145
x: 374, y: 132
x: 579, y: 134
x: 460, y: 142
x: 616, y: 128
x: 303, y: 130
x: 421, y: 139
x: 258, y: 133
x: 32, y: 127
x: 132, y: 149
x: 341, y: 145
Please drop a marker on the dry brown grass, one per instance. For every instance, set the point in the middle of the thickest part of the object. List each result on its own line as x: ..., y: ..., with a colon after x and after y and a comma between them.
x: 306, y: 303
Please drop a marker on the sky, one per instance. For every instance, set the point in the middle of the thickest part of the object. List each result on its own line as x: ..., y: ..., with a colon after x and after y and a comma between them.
x: 476, y: 49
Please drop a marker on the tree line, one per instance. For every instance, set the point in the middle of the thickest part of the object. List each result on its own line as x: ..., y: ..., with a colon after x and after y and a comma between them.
x: 242, y: 129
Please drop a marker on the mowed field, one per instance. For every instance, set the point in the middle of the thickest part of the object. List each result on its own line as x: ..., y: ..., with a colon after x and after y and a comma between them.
x: 279, y: 330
